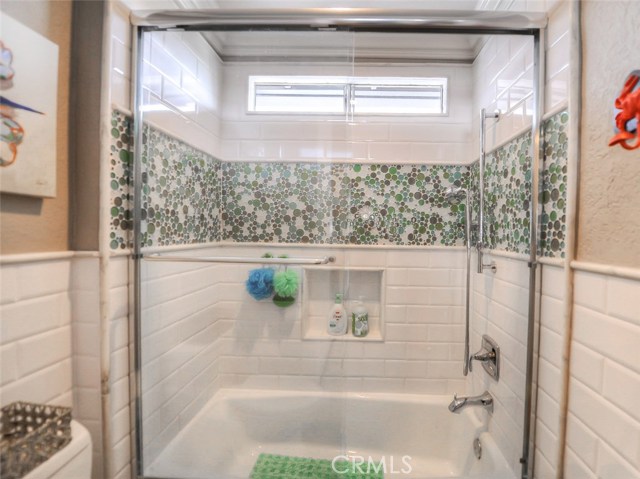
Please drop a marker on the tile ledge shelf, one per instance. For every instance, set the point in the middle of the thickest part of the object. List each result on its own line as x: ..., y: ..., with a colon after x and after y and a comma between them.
x: 607, y: 269
x: 230, y: 244
x: 559, y: 262
x: 546, y: 260
x: 318, y: 335
x: 559, y: 108
x: 45, y: 256
x: 121, y: 109
x: 345, y: 161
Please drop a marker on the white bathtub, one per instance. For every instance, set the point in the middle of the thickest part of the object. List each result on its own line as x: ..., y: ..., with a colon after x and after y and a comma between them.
x: 225, y: 439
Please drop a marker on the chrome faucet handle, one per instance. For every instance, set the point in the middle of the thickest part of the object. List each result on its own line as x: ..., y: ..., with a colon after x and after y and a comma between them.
x: 488, y: 356
x: 481, y: 356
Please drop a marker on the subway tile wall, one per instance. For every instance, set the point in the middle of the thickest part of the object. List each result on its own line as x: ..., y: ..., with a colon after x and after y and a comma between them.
x: 50, y: 339
x: 181, y: 93
x: 503, y: 74
x: 85, y: 297
x: 603, y: 436
x: 119, y: 379
x: 262, y: 345
x: 503, y: 79
x: 180, y: 347
x: 36, y: 332
x: 120, y: 65
x: 550, y: 365
x: 201, y: 318
x: 182, y: 96
x: 251, y: 137
x: 499, y: 308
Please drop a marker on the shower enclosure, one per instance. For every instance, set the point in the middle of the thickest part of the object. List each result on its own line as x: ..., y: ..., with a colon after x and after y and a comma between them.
x: 286, y: 157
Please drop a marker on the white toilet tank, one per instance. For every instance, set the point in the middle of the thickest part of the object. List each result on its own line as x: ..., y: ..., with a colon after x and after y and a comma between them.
x: 71, y: 462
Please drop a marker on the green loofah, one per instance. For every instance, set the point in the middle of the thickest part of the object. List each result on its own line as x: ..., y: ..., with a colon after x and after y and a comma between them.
x: 282, y: 302
x: 285, y: 283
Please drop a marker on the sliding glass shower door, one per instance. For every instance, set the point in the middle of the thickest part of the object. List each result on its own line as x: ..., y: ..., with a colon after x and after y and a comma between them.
x: 301, y: 279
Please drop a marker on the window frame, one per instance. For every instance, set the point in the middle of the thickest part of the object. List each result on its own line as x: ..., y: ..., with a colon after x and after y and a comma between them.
x: 348, y: 83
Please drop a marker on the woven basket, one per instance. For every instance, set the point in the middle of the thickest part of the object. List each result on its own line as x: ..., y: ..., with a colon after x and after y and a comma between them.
x: 31, y: 434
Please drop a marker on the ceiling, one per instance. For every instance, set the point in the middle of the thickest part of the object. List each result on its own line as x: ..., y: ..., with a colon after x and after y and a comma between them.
x: 332, y: 46
x: 392, y: 4
x: 323, y: 46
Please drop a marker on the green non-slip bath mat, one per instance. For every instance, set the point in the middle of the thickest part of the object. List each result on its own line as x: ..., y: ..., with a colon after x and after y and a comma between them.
x: 271, y: 466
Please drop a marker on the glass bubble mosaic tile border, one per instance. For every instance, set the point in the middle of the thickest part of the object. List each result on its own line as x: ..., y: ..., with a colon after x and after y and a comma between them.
x: 331, y: 203
x: 341, y: 203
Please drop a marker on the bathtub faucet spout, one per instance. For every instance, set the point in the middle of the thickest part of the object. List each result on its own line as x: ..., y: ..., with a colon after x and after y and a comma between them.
x: 458, y: 404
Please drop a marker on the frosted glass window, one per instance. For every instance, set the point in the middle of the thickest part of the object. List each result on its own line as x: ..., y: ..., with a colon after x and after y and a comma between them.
x: 299, y: 98
x: 343, y: 95
x: 395, y: 99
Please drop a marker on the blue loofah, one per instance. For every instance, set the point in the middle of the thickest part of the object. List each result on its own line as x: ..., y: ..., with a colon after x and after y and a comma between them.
x: 260, y: 283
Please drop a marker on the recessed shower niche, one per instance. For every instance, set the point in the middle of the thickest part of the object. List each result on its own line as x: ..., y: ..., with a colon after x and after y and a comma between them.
x: 319, y: 290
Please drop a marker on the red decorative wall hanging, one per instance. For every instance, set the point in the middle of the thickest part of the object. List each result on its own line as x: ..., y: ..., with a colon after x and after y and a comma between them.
x: 628, y: 118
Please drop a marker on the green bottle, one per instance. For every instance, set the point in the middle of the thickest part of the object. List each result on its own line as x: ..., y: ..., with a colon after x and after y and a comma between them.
x: 359, y: 320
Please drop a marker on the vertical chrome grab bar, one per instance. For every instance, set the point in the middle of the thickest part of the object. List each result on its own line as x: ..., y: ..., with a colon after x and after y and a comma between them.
x: 481, y: 167
x: 479, y: 244
x: 465, y: 368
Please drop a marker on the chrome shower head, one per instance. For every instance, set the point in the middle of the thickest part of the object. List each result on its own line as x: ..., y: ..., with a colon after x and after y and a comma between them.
x: 455, y: 195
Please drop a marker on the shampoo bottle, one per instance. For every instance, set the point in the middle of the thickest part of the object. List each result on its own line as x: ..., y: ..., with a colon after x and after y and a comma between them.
x: 360, y: 320
x: 338, y: 318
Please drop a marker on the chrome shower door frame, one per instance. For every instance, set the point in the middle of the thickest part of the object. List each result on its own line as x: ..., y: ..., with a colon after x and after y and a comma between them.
x: 345, y: 19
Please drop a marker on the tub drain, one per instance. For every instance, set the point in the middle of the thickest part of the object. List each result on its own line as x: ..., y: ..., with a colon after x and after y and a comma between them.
x: 477, y: 448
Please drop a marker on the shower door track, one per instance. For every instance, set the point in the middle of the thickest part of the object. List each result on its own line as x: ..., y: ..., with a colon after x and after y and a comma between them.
x: 356, y: 20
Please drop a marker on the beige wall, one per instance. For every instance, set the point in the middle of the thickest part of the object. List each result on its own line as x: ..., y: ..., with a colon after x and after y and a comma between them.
x: 32, y: 224
x: 609, y: 215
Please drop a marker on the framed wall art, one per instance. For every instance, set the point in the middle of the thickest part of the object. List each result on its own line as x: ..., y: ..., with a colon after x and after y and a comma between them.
x: 28, y: 102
